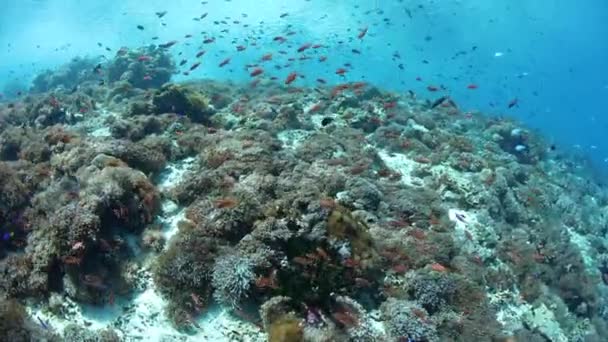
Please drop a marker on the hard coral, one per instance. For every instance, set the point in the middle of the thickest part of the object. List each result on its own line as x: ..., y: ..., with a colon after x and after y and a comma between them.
x: 407, y: 321
x: 231, y: 279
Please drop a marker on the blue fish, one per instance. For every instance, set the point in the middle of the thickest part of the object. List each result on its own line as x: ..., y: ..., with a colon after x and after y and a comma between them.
x: 6, y: 236
x: 42, y: 323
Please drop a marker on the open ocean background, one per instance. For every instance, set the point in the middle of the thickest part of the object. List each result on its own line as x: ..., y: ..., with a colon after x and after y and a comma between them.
x: 554, y: 52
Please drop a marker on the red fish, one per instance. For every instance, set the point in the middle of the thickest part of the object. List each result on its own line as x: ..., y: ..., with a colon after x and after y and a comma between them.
x: 267, y: 57
x: 224, y: 62
x: 256, y: 72
x: 195, y: 65
x: 316, y: 107
x: 432, y: 88
x: 291, y: 77
x: 472, y: 86
x: 513, y: 103
x: 362, y: 33
x: 359, y: 85
x: 240, y: 48
x: 304, y: 47
x: 341, y: 71
x: 390, y: 105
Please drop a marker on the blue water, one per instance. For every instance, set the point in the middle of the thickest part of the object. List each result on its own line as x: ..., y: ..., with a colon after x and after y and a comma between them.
x: 553, y: 61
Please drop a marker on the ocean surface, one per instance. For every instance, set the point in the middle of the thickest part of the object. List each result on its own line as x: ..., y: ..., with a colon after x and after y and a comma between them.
x: 303, y: 170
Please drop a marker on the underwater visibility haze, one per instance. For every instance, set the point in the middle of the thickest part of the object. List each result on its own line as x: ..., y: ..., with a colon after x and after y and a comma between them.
x: 303, y: 170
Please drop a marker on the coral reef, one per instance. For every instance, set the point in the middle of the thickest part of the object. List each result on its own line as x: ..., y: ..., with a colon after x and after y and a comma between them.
x: 342, y: 213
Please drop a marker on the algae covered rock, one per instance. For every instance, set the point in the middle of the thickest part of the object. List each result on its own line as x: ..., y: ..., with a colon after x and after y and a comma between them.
x: 183, y: 100
x: 145, y: 67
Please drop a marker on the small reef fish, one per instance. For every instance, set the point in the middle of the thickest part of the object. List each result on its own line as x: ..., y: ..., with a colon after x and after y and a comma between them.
x: 460, y: 217
x: 195, y: 65
x: 291, y: 77
x: 304, y: 47
x: 472, y: 86
x: 208, y: 40
x: 144, y: 58
x: 139, y: 27
x: 167, y: 44
x: 341, y: 71
x: 362, y: 33
x: 182, y: 62
x: 513, y: 103
x: 42, y: 323
x: 256, y: 72
x: 240, y: 48
x: 224, y: 62
x: 267, y: 57
x: 200, y: 53
x: 160, y: 14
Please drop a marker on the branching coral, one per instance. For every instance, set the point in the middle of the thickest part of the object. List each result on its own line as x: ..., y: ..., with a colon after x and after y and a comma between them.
x: 231, y: 279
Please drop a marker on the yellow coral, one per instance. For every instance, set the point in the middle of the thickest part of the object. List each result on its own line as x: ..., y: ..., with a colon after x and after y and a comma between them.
x: 285, y: 329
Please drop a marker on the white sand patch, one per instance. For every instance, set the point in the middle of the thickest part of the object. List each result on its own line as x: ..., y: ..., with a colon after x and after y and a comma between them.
x: 174, y: 173
x: 96, y: 126
x: 402, y: 164
x: 169, y: 223
x: 584, y: 247
x: 293, y: 138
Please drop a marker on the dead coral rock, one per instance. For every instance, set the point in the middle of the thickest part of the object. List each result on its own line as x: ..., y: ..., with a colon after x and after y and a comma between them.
x: 136, y: 155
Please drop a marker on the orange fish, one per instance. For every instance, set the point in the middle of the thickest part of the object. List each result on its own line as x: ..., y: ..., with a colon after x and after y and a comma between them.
x: 438, y: 267
x: 256, y: 72
x: 362, y: 33
x: 291, y: 77
x: 340, y: 71
x: 304, y: 47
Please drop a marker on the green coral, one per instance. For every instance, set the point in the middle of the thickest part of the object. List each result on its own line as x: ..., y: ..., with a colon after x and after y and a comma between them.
x: 342, y: 225
x: 184, y: 100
